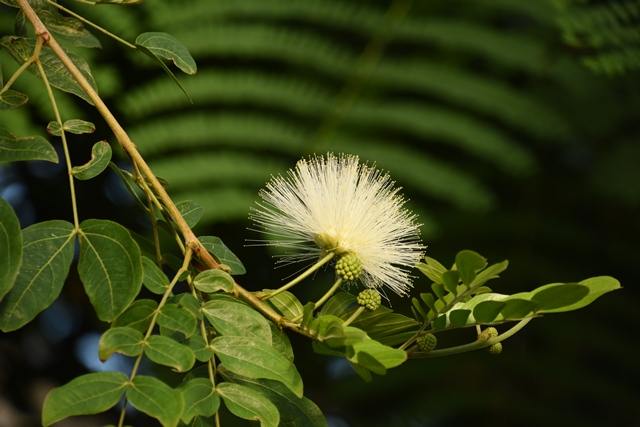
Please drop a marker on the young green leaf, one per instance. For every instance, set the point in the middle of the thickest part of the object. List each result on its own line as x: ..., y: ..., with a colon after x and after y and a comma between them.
x: 10, y: 100
x: 100, y: 158
x: 85, y: 395
x: 10, y: 247
x: 121, y: 340
x: 233, y: 318
x: 190, y: 211
x: 256, y: 359
x: 487, y: 311
x: 110, y: 267
x: 388, y: 357
x: 168, y: 352
x: 294, y: 411
x: 468, y: 263
x: 156, y: 399
x: 517, y: 308
x: 248, y: 404
x: 223, y: 254
x: 47, y: 253
x: 137, y: 316
x: 73, y: 126
x: 199, y: 399
x: 13, y: 149
x: 337, y: 304
x: 154, y: 279
x: 597, y: 286
x: 211, y: 281
x: 459, y: 317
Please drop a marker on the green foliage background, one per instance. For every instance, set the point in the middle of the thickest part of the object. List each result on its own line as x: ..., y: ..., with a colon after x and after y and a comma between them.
x: 503, y: 141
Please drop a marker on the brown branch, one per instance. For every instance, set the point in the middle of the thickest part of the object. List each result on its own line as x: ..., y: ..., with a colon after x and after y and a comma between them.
x: 191, y: 241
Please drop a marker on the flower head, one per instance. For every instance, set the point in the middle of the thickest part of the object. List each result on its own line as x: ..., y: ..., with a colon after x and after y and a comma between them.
x: 339, y: 205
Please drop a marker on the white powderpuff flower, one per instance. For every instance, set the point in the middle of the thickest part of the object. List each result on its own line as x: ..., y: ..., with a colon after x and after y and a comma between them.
x: 339, y: 205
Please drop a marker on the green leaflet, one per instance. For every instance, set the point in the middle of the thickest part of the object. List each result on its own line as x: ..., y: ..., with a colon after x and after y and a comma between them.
x: 10, y: 247
x: 87, y: 394
x: 246, y: 403
x: 199, y: 398
x: 168, y: 352
x: 211, y: 281
x: 10, y: 100
x: 223, y: 254
x: 100, y: 158
x: 123, y: 340
x: 110, y: 267
x: 294, y: 411
x: 256, y: 359
x: 73, y: 126
x: 13, y: 149
x: 156, y: 399
x: 48, y: 247
x: 190, y: 211
x: 234, y: 318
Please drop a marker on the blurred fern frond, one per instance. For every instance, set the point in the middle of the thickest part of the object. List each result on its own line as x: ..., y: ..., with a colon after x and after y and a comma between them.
x: 608, y: 34
x: 453, y: 94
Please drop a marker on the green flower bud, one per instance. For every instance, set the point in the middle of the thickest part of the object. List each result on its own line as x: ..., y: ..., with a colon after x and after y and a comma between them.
x: 369, y: 298
x: 495, y: 348
x: 427, y: 342
x: 488, y: 334
x: 349, y: 267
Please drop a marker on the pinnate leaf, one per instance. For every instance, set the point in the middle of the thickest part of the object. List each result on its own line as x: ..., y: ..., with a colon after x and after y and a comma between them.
x: 154, y: 278
x: 137, y: 316
x: 467, y: 264
x: 156, y: 399
x: 190, y: 211
x: 48, y: 247
x: 72, y: 126
x: 110, y: 267
x: 85, y: 395
x: 10, y: 247
x: 248, y: 404
x: 256, y: 359
x: 13, y: 149
x: 166, y: 46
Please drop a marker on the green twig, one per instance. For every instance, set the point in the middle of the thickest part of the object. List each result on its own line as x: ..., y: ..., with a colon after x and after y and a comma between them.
x: 301, y: 277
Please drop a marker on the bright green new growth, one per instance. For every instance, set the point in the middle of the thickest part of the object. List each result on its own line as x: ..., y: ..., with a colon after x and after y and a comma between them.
x: 427, y: 342
x: 369, y: 299
x: 349, y: 268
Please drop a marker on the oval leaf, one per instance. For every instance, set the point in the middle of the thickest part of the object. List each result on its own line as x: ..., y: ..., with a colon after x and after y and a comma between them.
x: 190, y: 211
x: 122, y: 340
x: 294, y: 411
x: 248, y: 404
x: 211, y: 281
x: 233, y: 318
x: 78, y: 126
x: 156, y: 399
x: 87, y: 394
x: 388, y: 357
x: 100, y: 158
x: 199, y: 399
x: 287, y: 304
x: 10, y: 100
x: 10, y: 247
x: 166, y: 46
x: 557, y: 296
x: 255, y: 359
x: 48, y: 247
x: 154, y: 279
x: 222, y: 253
x: 167, y: 352
x: 13, y: 149
x: 597, y: 286
x: 468, y: 263
x: 487, y: 311
x: 110, y: 267
x: 137, y: 316
x: 177, y: 318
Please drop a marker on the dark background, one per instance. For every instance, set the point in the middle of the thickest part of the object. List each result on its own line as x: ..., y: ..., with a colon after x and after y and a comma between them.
x: 503, y: 141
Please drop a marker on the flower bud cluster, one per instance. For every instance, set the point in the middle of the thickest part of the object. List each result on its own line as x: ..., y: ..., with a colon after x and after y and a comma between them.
x: 349, y: 268
x: 427, y: 342
x: 369, y: 299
